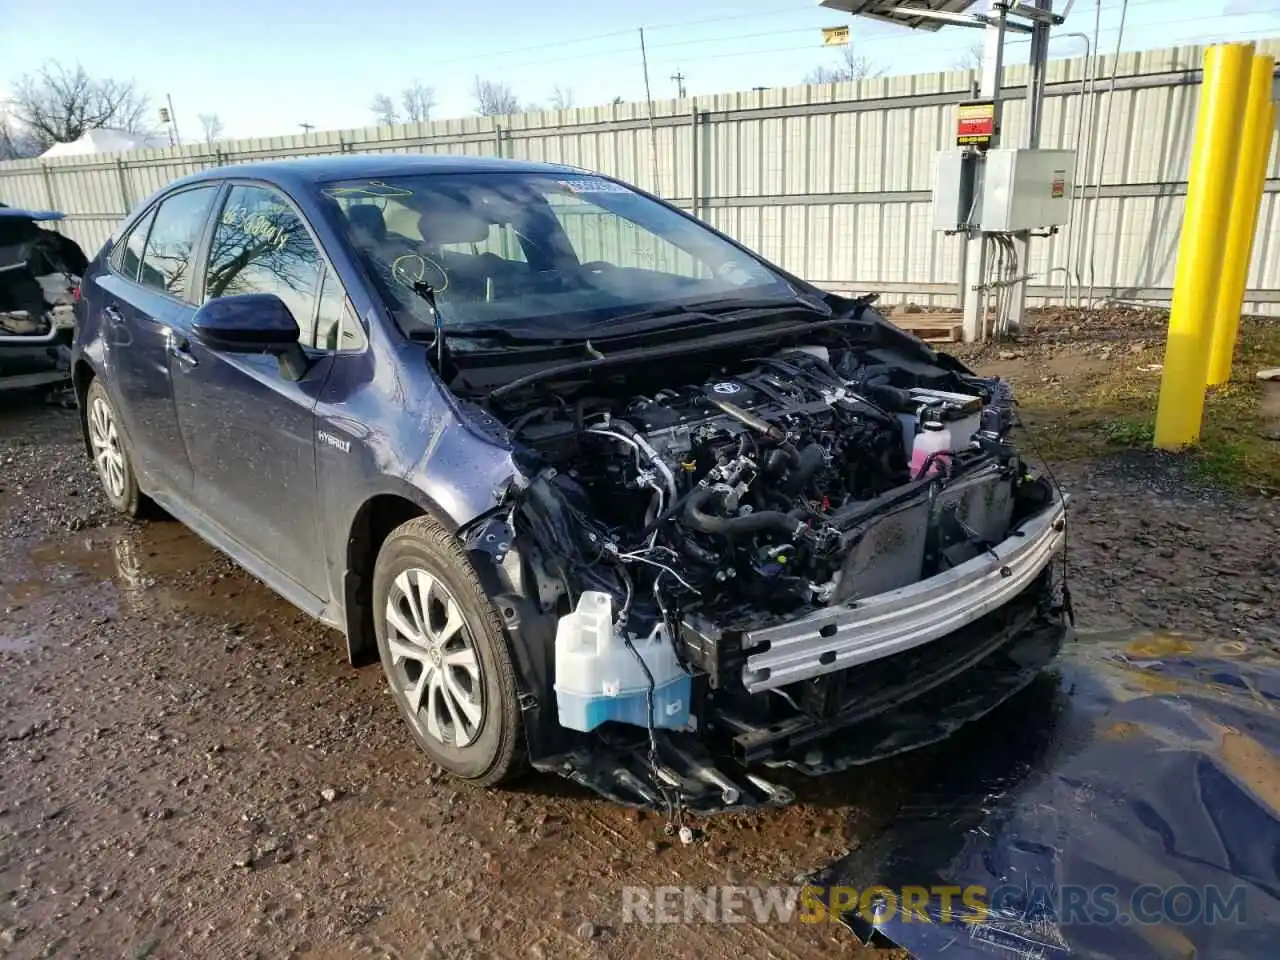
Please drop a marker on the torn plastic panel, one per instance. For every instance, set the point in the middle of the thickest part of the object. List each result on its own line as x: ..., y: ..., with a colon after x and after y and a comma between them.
x: 687, y: 776
x: 1140, y: 766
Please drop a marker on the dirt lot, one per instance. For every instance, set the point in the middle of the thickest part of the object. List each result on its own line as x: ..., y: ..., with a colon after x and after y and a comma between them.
x: 190, y: 767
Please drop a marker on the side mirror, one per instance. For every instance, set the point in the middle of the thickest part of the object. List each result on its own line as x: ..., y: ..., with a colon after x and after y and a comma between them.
x: 246, y: 323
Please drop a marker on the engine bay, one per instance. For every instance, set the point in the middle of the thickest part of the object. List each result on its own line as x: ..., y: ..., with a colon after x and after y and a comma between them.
x: 756, y: 493
x: 748, y: 544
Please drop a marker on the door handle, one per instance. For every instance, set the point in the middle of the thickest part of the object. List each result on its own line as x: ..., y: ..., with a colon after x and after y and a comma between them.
x: 180, y: 351
x: 113, y: 315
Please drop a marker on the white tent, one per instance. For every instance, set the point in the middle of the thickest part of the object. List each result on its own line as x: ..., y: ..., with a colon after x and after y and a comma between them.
x: 104, y: 140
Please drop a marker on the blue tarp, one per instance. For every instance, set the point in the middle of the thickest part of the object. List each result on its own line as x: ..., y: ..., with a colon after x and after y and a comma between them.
x: 1126, y: 804
x: 31, y: 214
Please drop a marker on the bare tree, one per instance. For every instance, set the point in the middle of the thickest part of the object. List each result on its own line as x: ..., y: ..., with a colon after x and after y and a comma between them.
x: 418, y: 101
x: 210, y: 126
x: 850, y: 66
x: 562, y: 98
x: 57, y: 104
x: 494, y: 99
x: 384, y: 111
x: 15, y: 142
x: 971, y: 59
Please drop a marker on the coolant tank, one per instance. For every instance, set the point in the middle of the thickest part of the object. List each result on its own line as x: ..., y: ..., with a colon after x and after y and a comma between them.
x: 599, y: 679
x: 960, y: 413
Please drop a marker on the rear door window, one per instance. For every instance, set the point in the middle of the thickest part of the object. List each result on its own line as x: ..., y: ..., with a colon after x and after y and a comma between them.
x: 128, y: 255
x: 261, y: 245
x: 173, y: 239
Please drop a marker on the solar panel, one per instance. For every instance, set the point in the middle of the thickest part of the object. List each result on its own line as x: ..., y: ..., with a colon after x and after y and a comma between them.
x: 916, y: 14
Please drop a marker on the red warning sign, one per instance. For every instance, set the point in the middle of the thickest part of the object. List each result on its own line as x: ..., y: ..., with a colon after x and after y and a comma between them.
x: 975, y: 123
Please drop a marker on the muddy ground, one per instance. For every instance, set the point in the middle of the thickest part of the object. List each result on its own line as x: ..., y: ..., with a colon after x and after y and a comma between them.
x: 189, y: 767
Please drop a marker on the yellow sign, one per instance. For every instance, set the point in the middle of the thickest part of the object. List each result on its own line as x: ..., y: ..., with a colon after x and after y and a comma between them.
x: 975, y: 123
x: 835, y: 36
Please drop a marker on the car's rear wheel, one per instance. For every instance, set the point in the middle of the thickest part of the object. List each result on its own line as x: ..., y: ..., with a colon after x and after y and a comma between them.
x: 110, y: 454
x: 445, y: 655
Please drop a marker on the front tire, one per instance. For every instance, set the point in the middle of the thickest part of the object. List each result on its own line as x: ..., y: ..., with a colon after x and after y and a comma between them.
x: 110, y: 455
x: 445, y: 656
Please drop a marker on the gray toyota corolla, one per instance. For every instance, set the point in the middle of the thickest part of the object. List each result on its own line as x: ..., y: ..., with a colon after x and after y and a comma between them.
x: 605, y: 491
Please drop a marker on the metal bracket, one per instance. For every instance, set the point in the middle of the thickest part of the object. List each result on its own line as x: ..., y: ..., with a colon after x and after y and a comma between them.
x: 1037, y: 14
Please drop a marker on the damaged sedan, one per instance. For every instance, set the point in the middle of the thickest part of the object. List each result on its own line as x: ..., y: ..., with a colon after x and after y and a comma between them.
x: 607, y: 493
x: 40, y: 272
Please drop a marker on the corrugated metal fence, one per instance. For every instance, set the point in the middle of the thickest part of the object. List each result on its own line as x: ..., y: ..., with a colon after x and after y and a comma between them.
x: 832, y: 181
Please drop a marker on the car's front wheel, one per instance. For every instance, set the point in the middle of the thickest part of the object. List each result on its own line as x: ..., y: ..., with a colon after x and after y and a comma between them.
x: 445, y: 655
x: 110, y: 454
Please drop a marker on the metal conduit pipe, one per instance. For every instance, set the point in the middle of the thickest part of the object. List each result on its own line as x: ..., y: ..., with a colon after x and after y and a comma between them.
x: 1102, y: 153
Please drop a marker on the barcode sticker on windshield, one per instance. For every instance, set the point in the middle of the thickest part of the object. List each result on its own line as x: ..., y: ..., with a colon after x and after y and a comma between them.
x: 592, y: 185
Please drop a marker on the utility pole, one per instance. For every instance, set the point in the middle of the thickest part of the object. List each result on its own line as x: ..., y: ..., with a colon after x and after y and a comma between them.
x: 1035, y: 120
x: 307, y: 127
x: 653, y: 130
x: 173, y: 119
x: 679, y: 78
x: 973, y: 268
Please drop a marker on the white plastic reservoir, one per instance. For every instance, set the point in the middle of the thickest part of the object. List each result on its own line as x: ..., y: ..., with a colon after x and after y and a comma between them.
x: 599, y: 679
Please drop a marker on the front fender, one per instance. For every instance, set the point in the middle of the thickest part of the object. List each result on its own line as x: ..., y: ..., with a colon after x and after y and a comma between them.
x: 464, y: 474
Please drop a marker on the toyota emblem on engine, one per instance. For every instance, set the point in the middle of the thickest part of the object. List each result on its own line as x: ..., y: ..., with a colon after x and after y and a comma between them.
x: 726, y: 386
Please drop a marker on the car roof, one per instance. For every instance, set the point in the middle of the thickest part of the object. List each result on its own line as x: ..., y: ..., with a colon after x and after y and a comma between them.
x: 307, y: 171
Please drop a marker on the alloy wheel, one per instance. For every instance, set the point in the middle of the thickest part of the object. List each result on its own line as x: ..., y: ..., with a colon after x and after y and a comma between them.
x: 435, y: 670
x: 108, y: 456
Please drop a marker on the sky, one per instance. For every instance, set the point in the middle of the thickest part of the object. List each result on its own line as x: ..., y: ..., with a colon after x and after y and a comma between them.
x: 267, y: 66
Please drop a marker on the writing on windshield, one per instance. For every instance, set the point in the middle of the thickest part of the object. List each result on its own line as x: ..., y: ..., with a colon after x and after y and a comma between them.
x: 519, y: 248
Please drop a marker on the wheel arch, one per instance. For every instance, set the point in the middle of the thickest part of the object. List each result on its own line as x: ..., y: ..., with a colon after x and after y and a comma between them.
x: 528, y: 631
x: 83, y: 374
x: 372, y: 523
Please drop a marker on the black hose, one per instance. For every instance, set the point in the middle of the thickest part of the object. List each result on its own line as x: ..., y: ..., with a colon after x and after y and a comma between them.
x: 764, y: 521
x: 666, y: 515
x: 808, y: 461
x: 580, y: 410
x: 529, y: 416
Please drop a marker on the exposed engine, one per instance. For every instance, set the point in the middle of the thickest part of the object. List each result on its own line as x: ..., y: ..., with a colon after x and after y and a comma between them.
x: 751, y: 548
x: 746, y: 494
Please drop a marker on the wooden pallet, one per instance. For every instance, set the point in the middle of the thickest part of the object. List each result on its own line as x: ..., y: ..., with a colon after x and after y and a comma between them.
x: 932, y: 327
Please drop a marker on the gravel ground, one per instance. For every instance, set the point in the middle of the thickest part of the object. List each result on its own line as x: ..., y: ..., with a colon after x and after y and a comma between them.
x: 189, y: 765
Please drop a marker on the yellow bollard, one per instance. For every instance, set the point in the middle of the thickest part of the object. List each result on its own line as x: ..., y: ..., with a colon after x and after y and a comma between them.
x: 1246, y: 200
x: 1200, y: 250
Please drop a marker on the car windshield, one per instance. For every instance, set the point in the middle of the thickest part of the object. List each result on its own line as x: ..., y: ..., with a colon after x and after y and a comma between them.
x: 553, y: 252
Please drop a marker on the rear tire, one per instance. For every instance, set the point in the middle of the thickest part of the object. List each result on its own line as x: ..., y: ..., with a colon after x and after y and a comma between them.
x: 445, y: 656
x: 110, y: 453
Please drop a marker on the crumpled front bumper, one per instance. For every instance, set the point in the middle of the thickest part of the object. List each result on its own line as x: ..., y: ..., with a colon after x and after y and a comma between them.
x: 835, y: 639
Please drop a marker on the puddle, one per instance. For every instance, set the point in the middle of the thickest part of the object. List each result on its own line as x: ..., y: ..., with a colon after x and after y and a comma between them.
x: 134, y: 557
x: 161, y: 564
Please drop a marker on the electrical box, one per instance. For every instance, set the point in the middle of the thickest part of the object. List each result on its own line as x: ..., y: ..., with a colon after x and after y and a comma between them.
x: 1026, y: 189
x: 953, y: 189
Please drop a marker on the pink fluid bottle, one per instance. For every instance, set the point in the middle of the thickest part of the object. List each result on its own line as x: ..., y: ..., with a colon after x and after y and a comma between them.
x: 933, y: 438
